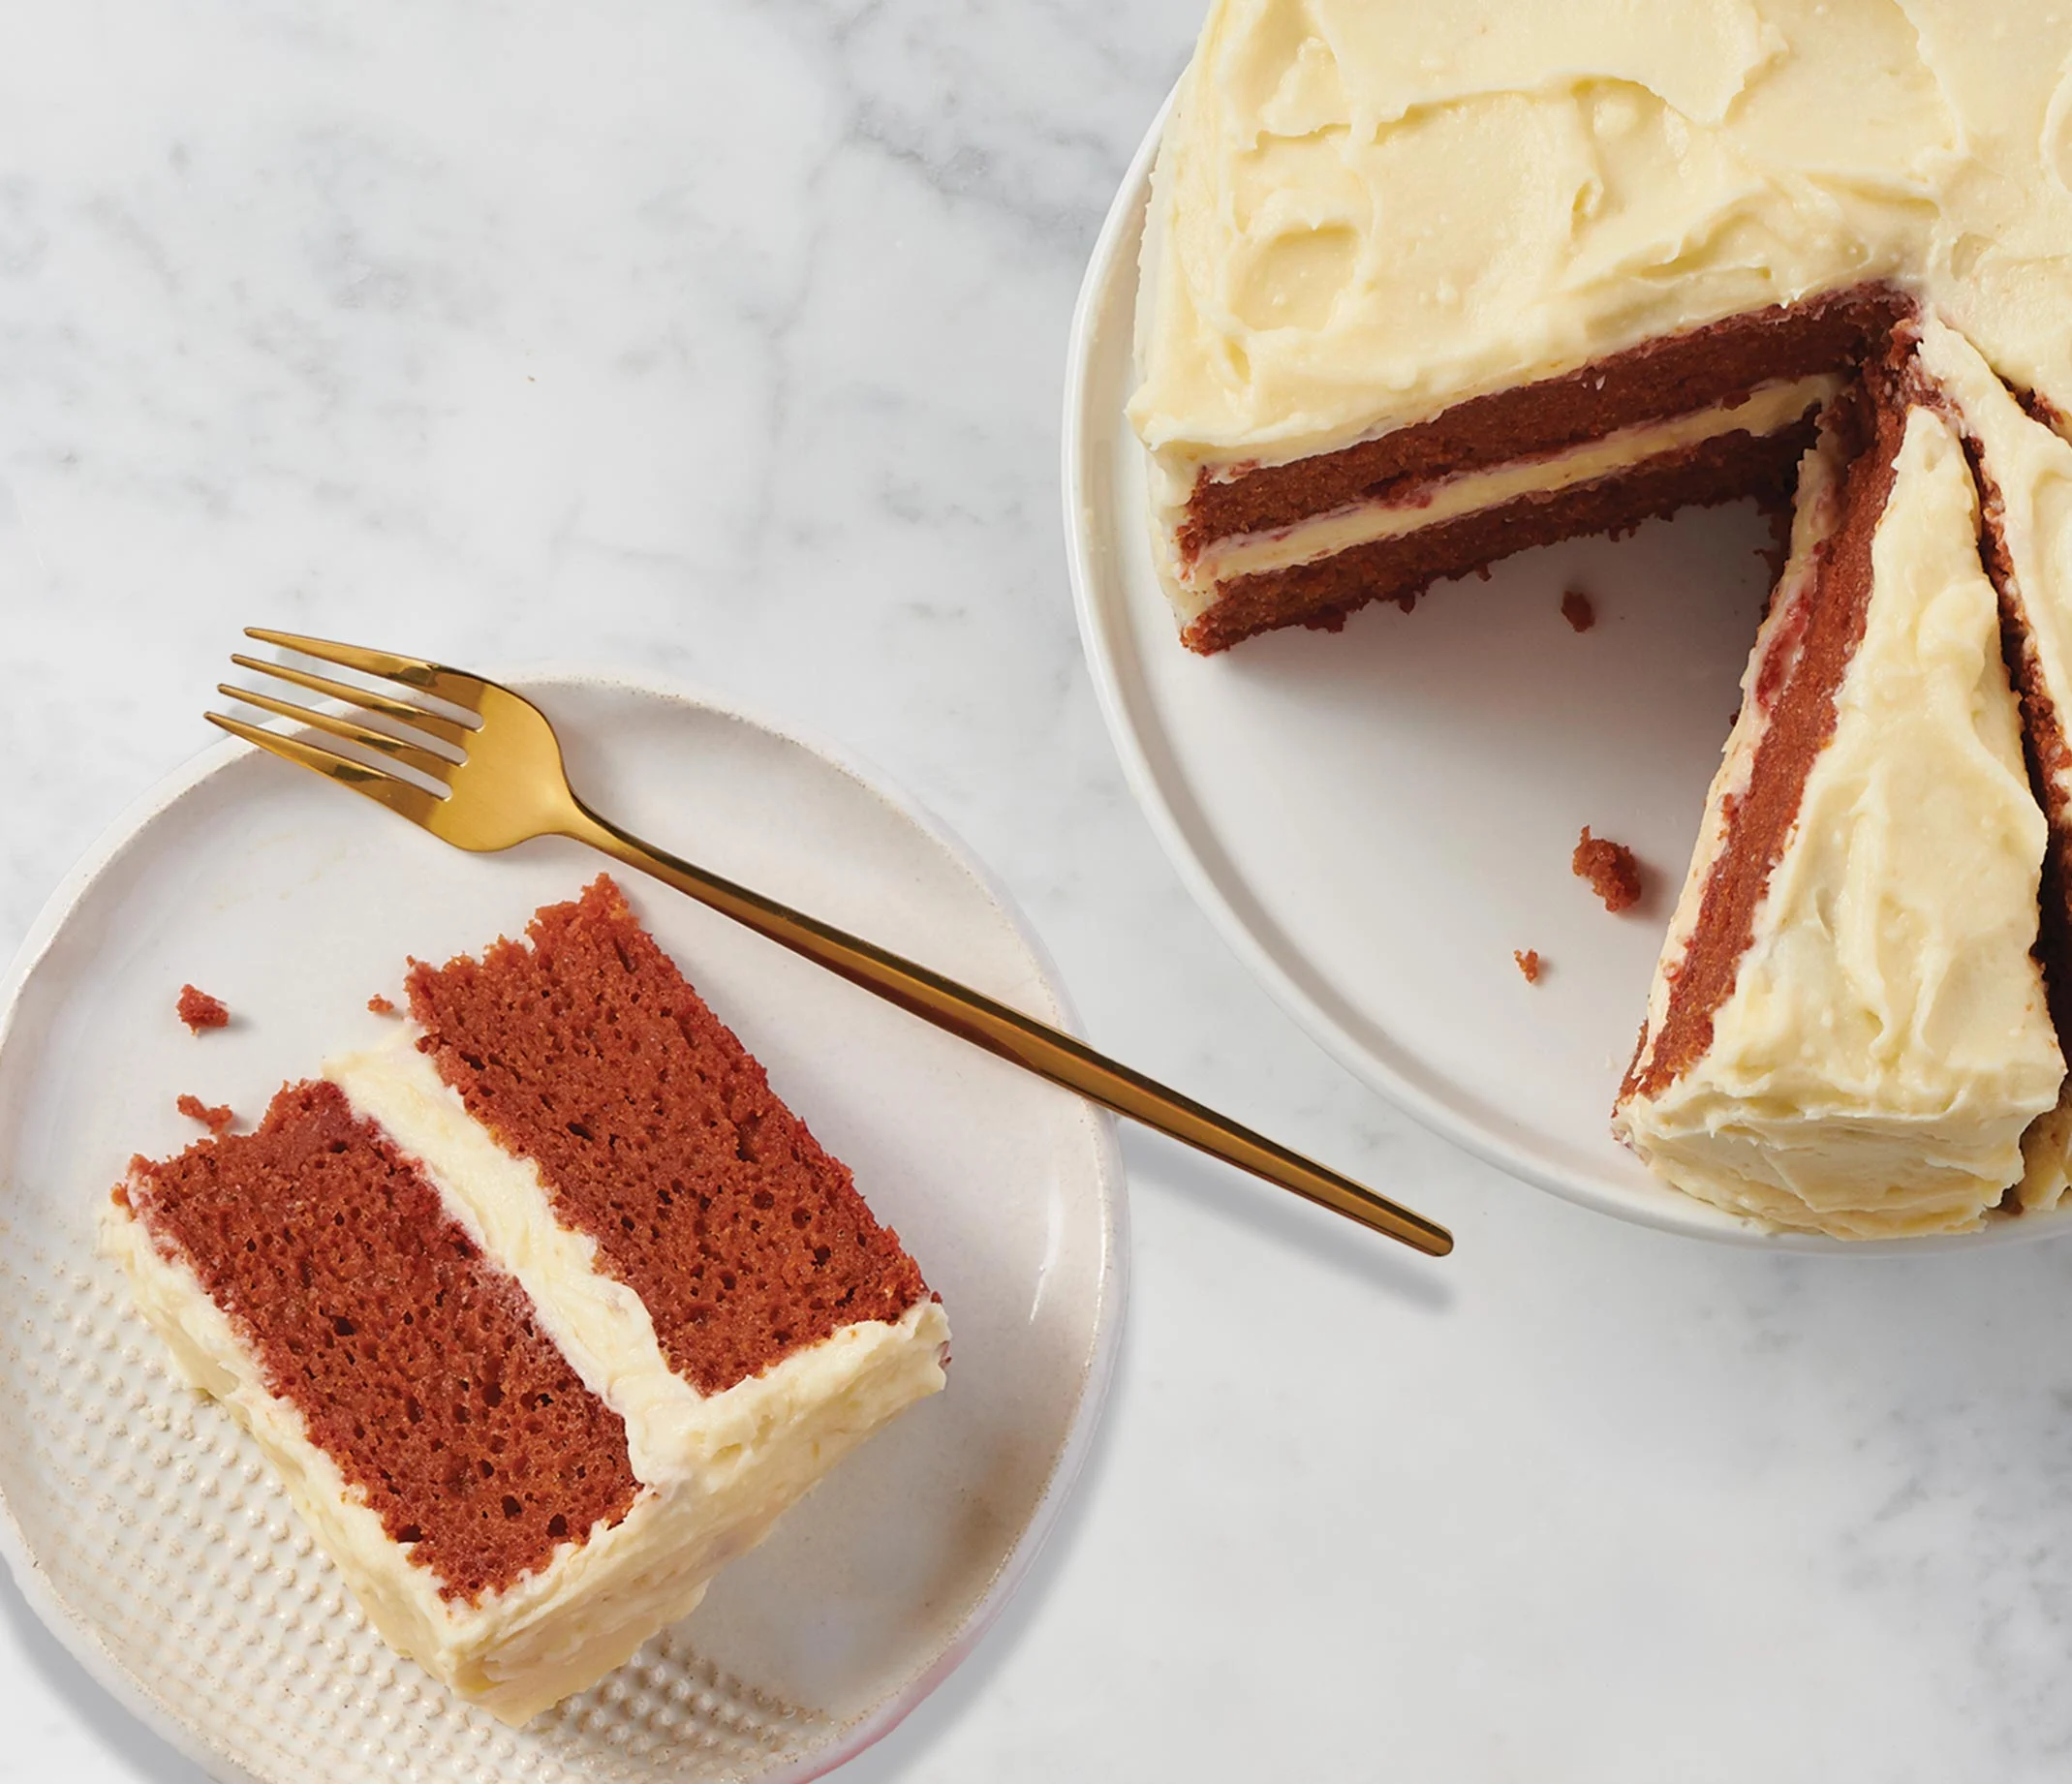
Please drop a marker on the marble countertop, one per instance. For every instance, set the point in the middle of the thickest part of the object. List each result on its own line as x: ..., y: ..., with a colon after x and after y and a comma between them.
x: 726, y: 341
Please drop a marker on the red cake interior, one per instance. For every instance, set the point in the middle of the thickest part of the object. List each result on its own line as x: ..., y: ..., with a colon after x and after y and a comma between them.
x: 1703, y: 369
x: 415, y: 1363
x: 656, y: 1134
x: 1817, y: 641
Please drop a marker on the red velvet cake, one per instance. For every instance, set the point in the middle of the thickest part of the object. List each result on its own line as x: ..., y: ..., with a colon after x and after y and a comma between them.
x: 1424, y: 285
x: 1849, y: 1030
x: 543, y: 1311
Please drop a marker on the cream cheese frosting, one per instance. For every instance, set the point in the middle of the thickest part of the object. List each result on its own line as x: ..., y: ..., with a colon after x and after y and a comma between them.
x: 1365, y: 212
x: 715, y: 1470
x: 672, y: 1431
x: 2030, y: 472
x: 2028, y: 469
x: 1886, y: 1043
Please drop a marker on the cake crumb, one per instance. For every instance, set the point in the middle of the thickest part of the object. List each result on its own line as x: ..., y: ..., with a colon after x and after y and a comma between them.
x: 1528, y: 963
x: 1610, y: 868
x: 1577, y: 610
x: 215, y: 1119
x: 381, y: 1006
x: 198, y: 1010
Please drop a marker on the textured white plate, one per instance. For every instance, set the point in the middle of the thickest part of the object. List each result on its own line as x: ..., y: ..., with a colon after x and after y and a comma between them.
x: 140, y: 1522
x: 1377, y: 818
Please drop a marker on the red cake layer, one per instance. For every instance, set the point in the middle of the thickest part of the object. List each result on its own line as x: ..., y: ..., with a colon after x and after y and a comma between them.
x: 1873, y: 421
x: 414, y: 1363
x: 656, y: 1134
x: 1674, y: 376
x: 1723, y: 469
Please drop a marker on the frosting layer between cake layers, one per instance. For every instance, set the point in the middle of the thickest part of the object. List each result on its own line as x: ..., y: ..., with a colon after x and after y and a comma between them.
x: 750, y: 1449
x: 1761, y: 412
x: 2025, y: 471
x: 1886, y: 1041
x: 543, y: 1310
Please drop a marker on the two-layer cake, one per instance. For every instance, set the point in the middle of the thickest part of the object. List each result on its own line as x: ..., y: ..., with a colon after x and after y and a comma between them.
x: 1426, y: 283
x: 543, y: 1310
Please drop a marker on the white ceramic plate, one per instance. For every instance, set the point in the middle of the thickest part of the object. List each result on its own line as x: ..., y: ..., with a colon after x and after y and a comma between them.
x: 140, y: 1522
x: 1377, y: 818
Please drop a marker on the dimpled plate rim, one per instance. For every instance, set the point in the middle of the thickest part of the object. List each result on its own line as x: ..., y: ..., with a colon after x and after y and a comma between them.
x: 1114, y: 591
x: 711, y: 1724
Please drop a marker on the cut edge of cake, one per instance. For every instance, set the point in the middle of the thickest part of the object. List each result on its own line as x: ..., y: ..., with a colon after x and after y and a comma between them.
x: 654, y: 1131
x: 1720, y: 1100
x: 515, y: 1651
x: 1252, y: 538
x: 871, y: 1368
x: 711, y: 1472
x: 503, y: 1646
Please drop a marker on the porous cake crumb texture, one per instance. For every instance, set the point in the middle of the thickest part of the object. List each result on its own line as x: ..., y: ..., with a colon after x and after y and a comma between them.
x: 657, y: 1134
x: 414, y: 1363
x: 1613, y: 872
x: 215, y: 1119
x: 1796, y: 685
x: 198, y: 1010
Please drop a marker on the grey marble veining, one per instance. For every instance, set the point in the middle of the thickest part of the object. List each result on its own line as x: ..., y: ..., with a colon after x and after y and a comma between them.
x: 726, y: 341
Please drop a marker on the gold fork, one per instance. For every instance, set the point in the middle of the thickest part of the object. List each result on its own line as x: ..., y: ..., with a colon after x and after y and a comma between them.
x: 506, y: 784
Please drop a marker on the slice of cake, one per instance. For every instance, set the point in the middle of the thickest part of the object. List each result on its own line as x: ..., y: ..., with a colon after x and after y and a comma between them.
x: 543, y: 1310
x: 2023, y: 471
x: 1848, y: 1030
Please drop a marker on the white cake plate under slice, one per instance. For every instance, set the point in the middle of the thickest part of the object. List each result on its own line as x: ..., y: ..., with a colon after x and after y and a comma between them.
x: 1376, y: 820
x: 141, y: 1523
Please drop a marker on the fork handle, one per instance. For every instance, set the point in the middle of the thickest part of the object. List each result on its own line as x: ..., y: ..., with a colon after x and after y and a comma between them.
x: 1035, y: 1046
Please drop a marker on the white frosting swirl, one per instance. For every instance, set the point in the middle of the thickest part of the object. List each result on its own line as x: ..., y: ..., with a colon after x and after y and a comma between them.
x: 1368, y: 210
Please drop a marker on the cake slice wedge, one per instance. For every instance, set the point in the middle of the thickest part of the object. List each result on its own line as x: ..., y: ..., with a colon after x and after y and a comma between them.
x: 1848, y: 1030
x: 2023, y: 470
x: 543, y: 1310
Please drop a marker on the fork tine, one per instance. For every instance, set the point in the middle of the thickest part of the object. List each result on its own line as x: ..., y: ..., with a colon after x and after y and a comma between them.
x: 435, y: 678
x: 377, y: 783
x: 410, y: 755
x: 447, y: 730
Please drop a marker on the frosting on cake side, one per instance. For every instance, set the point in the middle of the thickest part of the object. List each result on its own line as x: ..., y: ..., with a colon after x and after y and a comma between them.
x: 1886, y: 1042
x: 1366, y: 211
x: 474, y: 1411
